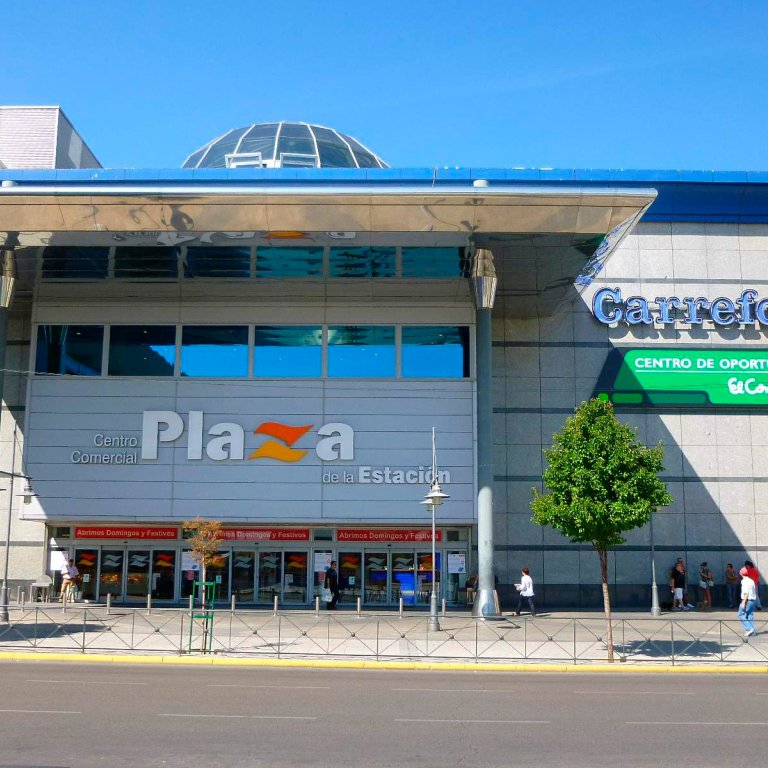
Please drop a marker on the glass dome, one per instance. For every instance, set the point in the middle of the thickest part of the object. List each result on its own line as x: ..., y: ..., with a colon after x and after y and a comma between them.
x: 284, y: 145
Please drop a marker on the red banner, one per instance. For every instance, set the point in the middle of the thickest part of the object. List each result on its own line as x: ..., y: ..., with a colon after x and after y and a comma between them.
x: 405, y: 535
x: 124, y: 532
x: 265, y: 534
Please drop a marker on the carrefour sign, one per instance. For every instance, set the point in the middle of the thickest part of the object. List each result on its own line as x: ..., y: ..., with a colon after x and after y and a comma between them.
x: 610, y: 307
x: 685, y: 377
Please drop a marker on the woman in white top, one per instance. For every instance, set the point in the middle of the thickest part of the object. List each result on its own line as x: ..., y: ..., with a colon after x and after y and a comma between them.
x: 525, y: 587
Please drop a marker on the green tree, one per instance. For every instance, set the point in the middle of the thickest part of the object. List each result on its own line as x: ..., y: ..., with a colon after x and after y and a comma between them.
x: 600, y: 482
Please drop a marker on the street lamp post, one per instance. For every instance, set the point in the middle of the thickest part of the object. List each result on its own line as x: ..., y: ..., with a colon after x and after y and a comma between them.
x: 433, y: 499
x: 655, y: 609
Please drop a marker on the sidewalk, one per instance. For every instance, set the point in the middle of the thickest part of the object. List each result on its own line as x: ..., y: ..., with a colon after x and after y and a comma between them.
x: 572, y: 638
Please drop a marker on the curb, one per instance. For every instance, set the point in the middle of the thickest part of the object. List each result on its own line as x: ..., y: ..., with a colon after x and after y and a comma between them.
x: 101, y: 658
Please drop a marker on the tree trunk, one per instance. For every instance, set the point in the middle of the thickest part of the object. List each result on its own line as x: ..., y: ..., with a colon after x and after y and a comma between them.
x: 603, y: 553
x: 203, y: 602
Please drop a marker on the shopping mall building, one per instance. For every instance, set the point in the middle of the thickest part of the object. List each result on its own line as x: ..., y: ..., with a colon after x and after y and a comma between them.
x: 267, y: 337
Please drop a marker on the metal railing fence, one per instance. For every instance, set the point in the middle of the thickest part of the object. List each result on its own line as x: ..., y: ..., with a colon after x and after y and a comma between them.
x: 305, y: 634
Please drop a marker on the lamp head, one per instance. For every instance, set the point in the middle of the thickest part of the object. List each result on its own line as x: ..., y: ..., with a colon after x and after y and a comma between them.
x: 436, y: 496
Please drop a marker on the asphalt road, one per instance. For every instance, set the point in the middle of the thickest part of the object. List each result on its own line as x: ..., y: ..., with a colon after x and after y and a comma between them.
x: 55, y: 715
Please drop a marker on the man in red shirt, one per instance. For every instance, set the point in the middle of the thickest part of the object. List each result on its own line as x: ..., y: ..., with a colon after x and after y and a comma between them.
x: 754, y: 574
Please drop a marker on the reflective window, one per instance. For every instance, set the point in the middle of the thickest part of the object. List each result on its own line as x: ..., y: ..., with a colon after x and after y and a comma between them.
x: 334, y: 153
x: 366, y: 351
x: 160, y: 261
x: 362, y: 262
x: 218, y: 262
x: 142, y: 350
x: 260, y: 138
x: 435, y: 351
x: 209, y: 350
x: 289, y: 262
x: 295, y: 139
x: 288, y: 351
x: 75, y: 262
x: 71, y: 349
x: 435, y: 262
x: 225, y: 146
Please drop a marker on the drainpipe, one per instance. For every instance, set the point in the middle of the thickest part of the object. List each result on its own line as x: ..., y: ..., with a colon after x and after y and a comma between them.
x: 483, y: 282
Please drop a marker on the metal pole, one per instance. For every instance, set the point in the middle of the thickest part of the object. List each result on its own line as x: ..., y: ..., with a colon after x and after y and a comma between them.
x: 655, y: 609
x: 434, y: 623
x: 486, y: 602
x: 4, y: 618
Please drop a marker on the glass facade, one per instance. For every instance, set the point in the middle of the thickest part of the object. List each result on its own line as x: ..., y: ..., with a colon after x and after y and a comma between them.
x: 217, y: 262
x: 430, y: 351
x: 73, y: 262
x: 289, y: 262
x: 214, y: 351
x: 142, y: 350
x: 435, y: 262
x: 288, y: 351
x: 155, y: 261
x: 362, y: 262
x: 361, y: 351
x: 69, y: 349
x: 279, y: 351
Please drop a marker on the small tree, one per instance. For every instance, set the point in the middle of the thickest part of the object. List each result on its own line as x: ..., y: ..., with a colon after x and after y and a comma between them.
x: 204, y: 540
x: 600, y: 482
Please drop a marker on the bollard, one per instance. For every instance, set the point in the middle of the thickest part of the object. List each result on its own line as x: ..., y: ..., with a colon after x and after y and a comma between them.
x: 443, y: 607
x: 359, y: 606
x: 149, y: 603
x: 401, y: 607
x: 191, y: 603
x: 234, y: 602
x: 21, y: 599
x: 317, y: 606
x: 109, y: 603
x: 275, y: 607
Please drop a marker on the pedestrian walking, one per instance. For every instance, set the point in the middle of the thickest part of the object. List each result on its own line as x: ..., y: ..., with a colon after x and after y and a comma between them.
x: 754, y: 574
x: 332, y: 584
x: 732, y: 582
x: 525, y: 588
x: 747, y: 605
x: 706, y: 582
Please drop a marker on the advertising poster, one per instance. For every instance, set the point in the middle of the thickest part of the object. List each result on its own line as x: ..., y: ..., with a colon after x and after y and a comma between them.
x: 322, y: 561
x: 457, y: 562
x: 57, y: 560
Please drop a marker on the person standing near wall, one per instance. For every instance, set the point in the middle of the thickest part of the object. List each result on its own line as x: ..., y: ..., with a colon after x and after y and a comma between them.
x: 525, y: 587
x: 747, y: 605
x: 706, y: 582
x: 731, y: 585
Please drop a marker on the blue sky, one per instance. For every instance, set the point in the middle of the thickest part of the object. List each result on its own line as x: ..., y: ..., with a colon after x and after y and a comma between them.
x: 679, y: 84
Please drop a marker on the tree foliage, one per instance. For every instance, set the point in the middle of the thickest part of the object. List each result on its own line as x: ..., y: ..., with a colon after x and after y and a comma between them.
x: 204, y: 540
x: 600, y: 481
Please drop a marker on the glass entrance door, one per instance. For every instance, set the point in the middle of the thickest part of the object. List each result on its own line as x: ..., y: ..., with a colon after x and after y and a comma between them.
x: 111, y: 574
x: 295, y: 580
x: 350, y: 576
x: 270, y: 576
x: 87, y: 563
x: 243, y: 575
x: 137, y: 575
x: 423, y: 591
x: 403, y: 577
x: 163, y: 574
x: 376, y: 569
x: 218, y: 573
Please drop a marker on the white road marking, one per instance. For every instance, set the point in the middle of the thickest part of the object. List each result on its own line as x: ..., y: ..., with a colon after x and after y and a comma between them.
x: 280, y: 687
x: 451, y: 690
x: 640, y: 693
x: 694, y: 722
x: 463, y: 720
x: 83, y: 682
x: 42, y: 711
x: 241, y: 717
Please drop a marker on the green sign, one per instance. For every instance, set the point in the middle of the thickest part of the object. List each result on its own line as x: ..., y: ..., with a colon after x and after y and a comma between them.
x: 685, y: 377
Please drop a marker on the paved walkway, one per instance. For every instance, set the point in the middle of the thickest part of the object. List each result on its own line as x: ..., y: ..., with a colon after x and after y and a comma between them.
x: 576, y: 638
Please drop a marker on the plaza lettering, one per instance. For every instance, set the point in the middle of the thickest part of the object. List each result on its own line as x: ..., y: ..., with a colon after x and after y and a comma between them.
x: 610, y: 307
